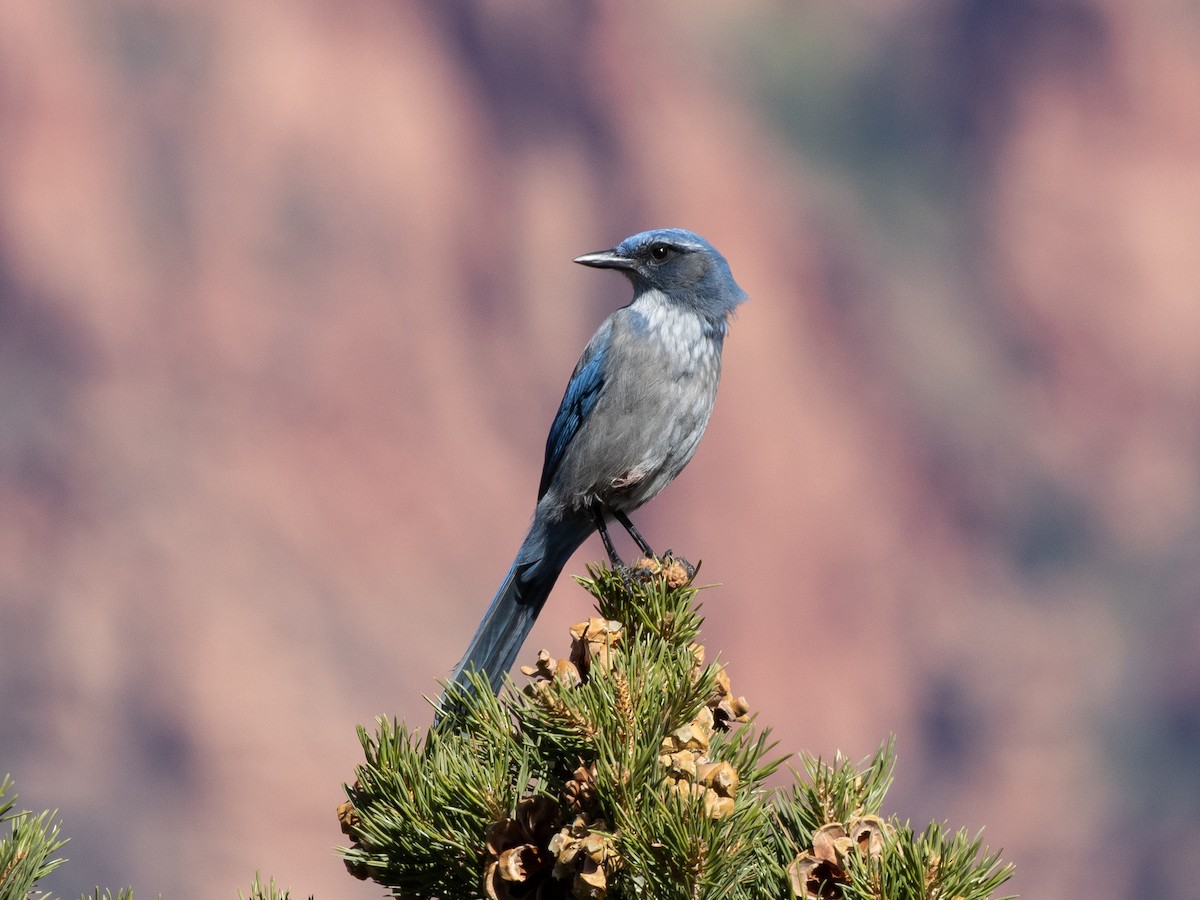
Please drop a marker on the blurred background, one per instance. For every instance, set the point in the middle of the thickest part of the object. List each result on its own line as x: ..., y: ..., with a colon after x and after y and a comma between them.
x: 287, y: 306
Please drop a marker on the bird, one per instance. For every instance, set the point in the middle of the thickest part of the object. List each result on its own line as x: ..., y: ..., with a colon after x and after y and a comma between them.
x: 631, y: 417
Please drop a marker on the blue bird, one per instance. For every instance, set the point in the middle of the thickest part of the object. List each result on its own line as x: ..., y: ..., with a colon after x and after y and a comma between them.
x: 631, y: 418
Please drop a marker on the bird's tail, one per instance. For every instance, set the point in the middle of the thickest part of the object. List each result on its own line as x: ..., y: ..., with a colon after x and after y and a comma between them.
x: 513, y: 610
x: 505, y: 626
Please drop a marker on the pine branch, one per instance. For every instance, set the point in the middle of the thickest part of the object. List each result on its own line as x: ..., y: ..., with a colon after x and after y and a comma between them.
x: 27, y: 852
x: 629, y: 768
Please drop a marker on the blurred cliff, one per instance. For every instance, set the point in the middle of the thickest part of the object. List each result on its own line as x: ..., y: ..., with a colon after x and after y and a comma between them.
x: 286, y: 306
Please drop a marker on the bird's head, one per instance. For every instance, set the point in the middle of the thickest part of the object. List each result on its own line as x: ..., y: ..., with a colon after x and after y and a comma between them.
x: 681, y: 265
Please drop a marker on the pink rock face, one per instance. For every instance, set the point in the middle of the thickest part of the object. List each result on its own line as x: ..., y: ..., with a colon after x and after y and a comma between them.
x: 286, y: 305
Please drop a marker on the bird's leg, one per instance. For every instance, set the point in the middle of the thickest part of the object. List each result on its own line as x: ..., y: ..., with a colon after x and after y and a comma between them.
x: 633, y: 533
x: 598, y: 515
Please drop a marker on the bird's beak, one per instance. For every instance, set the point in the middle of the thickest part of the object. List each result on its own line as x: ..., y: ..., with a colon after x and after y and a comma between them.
x: 605, y: 259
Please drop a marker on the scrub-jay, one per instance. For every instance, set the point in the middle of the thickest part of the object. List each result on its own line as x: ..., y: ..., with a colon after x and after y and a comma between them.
x: 631, y: 418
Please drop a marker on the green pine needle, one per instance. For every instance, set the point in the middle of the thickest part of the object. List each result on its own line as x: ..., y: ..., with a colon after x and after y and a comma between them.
x: 260, y: 891
x: 27, y: 852
x: 933, y: 864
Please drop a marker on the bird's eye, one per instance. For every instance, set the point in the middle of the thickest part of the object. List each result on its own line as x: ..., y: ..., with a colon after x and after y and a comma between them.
x: 659, y: 251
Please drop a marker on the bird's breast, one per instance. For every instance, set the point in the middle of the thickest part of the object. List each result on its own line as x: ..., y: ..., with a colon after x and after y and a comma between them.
x: 689, y: 343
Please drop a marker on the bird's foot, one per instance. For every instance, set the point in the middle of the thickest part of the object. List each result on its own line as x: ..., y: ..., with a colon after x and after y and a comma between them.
x: 670, y: 558
x: 675, y: 569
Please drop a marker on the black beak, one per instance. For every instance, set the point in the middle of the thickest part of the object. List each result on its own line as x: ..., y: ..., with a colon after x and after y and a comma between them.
x: 606, y: 259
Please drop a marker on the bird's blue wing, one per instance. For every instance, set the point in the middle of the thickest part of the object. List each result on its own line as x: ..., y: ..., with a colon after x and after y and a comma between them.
x: 582, y: 390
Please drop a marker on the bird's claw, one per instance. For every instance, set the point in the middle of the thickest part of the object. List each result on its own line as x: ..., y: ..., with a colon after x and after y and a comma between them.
x: 675, y: 569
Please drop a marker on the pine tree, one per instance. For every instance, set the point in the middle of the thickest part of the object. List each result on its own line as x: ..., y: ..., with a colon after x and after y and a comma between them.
x: 630, y: 769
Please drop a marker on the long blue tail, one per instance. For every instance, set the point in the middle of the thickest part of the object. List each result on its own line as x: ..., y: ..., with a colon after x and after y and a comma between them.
x: 522, y: 594
x: 505, y: 626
